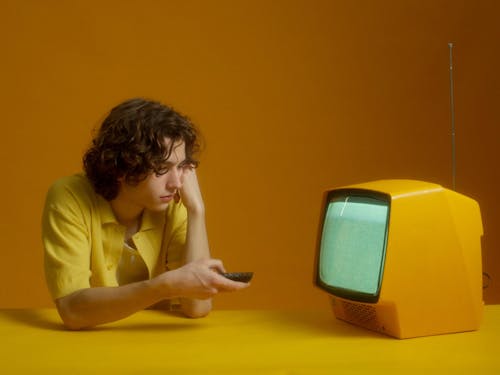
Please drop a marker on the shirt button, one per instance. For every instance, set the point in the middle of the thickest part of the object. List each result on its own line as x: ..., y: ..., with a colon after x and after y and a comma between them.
x: 109, y: 267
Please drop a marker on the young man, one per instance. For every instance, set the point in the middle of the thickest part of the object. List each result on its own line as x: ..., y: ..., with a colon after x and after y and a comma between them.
x: 130, y: 232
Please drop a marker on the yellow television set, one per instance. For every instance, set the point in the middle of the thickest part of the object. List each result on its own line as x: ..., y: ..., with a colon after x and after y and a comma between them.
x: 401, y: 257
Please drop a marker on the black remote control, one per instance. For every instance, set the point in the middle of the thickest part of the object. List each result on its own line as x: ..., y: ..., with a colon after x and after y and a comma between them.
x: 244, y: 277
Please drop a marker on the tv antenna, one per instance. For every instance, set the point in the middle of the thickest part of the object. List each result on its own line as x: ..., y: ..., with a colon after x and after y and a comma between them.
x: 452, y: 109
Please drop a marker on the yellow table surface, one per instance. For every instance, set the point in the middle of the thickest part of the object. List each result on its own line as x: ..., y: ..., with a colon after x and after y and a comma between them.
x: 237, y: 342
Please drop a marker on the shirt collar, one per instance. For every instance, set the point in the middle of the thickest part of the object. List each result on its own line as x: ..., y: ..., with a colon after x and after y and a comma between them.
x: 105, y: 211
x: 150, y: 219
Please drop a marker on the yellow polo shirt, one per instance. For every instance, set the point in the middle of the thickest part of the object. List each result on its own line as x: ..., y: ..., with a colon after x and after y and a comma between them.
x: 83, y: 242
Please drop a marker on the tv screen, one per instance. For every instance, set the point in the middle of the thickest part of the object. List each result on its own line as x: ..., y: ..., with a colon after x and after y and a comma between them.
x: 353, y: 245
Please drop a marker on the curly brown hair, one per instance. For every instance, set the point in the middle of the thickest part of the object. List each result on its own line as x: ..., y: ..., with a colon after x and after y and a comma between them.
x: 130, y: 144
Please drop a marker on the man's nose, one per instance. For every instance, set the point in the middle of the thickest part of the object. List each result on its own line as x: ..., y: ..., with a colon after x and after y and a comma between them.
x: 174, y: 180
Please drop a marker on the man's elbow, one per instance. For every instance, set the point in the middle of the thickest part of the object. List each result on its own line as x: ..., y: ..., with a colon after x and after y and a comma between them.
x: 196, y: 313
x: 196, y: 309
x: 69, y: 318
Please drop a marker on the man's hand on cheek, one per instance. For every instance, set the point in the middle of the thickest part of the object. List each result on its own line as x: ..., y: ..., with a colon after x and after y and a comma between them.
x: 190, y: 192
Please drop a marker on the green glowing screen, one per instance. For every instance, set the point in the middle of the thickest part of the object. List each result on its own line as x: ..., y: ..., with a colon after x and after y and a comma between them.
x: 352, y: 248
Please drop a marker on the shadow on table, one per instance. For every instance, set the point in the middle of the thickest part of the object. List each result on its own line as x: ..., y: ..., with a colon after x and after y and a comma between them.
x: 49, y: 320
x: 34, y: 318
x: 286, y: 322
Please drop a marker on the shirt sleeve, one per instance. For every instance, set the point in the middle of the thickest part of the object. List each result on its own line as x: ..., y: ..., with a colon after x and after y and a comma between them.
x: 66, y: 243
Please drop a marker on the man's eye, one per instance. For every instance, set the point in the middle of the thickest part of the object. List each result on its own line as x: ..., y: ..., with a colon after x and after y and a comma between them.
x: 161, y: 172
x: 183, y: 167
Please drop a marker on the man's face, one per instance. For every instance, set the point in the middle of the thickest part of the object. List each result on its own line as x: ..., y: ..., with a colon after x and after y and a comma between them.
x: 155, y: 192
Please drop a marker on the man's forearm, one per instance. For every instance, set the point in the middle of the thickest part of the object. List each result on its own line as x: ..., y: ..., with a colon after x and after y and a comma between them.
x: 197, y: 248
x: 93, y: 306
x: 197, y: 240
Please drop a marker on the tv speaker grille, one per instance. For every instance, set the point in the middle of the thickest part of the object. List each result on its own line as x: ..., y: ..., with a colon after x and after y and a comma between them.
x: 363, y: 315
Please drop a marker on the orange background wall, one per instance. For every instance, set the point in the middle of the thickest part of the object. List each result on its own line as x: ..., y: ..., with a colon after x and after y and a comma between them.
x: 292, y: 97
